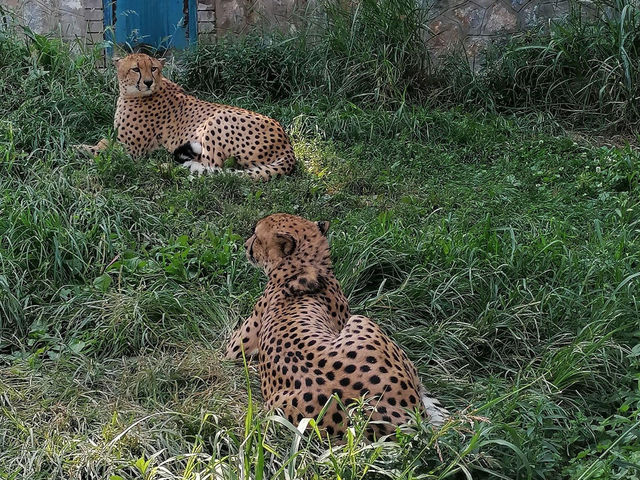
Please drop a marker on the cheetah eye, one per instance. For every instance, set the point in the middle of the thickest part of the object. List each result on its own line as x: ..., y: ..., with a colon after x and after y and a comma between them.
x: 153, y: 69
x: 136, y: 69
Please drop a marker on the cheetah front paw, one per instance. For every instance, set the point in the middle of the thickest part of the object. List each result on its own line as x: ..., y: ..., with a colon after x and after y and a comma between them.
x: 85, y: 149
x: 238, y: 171
x: 197, y: 168
x: 92, y: 150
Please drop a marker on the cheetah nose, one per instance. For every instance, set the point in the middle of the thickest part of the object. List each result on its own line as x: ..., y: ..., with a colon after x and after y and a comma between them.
x: 148, y: 83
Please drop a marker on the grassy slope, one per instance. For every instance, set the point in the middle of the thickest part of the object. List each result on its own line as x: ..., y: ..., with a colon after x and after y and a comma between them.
x: 502, y: 259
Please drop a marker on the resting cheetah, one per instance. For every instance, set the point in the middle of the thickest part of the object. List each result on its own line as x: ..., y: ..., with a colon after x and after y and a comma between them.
x: 153, y: 112
x: 310, y: 346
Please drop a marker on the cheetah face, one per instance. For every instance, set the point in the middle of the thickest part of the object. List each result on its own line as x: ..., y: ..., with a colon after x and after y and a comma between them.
x: 139, y: 75
x: 281, y: 237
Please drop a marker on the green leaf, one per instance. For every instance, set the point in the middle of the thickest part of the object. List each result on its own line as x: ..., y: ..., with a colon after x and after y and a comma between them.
x: 102, y: 283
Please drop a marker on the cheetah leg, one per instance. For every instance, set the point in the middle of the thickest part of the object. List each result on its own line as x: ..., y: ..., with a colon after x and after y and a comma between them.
x: 206, y: 158
x: 280, y: 166
x: 244, y: 338
x: 291, y: 404
x: 294, y: 407
x: 247, y: 336
x: 93, y: 150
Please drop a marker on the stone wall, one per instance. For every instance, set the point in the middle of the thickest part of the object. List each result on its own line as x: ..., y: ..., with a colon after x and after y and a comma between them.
x: 472, y: 24
x: 207, y: 20
x: 75, y: 18
x: 240, y: 16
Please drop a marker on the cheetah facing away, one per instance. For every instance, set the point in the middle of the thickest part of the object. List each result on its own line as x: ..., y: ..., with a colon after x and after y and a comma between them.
x: 308, y: 344
x: 153, y: 112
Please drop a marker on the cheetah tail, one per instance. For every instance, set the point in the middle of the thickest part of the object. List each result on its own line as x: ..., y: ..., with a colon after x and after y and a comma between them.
x: 281, y: 166
x: 436, y: 412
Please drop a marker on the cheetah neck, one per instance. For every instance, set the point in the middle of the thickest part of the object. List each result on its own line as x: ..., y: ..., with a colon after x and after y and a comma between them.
x: 305, y: 271
x: 307, y: 253
x: 155, y: 112
x: 301, y: 282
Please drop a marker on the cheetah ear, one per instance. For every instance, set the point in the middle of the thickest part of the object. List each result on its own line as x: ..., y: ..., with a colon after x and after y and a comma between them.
x: 323, y: 226
x: 286, y: 243
x: 305, y: 281
x: 162, y: 61
x: 116, y: 61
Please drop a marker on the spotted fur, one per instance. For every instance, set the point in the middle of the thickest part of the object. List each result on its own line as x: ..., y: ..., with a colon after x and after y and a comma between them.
x: 153, y: 112
x: 308, y: 344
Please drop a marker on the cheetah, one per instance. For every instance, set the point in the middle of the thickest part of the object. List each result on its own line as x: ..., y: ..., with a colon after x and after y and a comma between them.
x: 308, y: 344
x: 154, y: 112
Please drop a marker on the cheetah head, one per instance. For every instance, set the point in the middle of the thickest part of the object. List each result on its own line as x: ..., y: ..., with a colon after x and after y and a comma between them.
x: 139, y: 75
x: 292, y: 249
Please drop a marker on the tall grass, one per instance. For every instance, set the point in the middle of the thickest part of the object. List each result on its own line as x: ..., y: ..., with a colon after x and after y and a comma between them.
x: 372, y: 51
x: 584, y: 69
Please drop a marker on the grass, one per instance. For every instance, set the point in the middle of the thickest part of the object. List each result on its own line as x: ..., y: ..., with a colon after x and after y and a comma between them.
x: 582, y: 70
x: 503, y: 257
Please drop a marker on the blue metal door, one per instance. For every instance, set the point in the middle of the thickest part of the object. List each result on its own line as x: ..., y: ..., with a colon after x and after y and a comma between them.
x: 160, y: 24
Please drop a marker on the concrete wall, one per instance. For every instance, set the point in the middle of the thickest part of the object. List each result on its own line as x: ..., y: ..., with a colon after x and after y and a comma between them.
x: 472, y: 24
